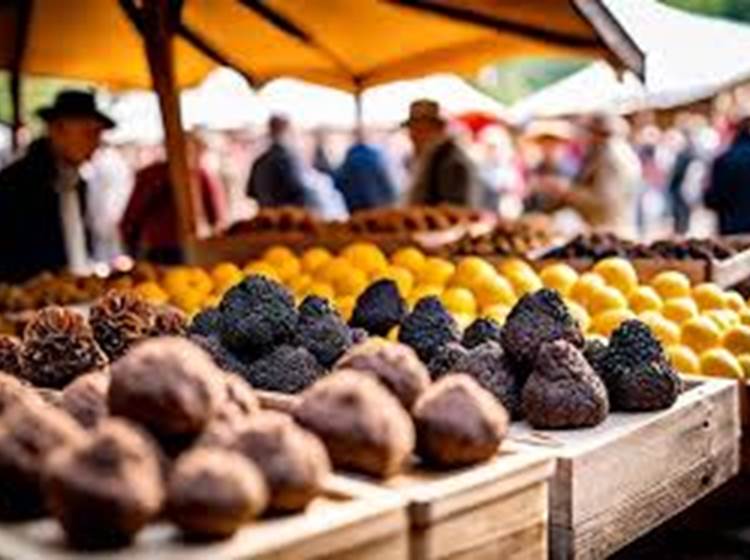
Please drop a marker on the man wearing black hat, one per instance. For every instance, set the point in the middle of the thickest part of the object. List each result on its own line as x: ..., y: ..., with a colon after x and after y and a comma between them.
x: 42, y: 195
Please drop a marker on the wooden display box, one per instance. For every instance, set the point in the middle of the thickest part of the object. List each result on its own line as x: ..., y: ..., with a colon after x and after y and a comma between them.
x: 619, y: 480
x: 351, y: 521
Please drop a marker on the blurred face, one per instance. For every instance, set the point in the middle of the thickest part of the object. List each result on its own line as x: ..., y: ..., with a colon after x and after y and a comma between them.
x: 423, y: 132
x: 75, y: 139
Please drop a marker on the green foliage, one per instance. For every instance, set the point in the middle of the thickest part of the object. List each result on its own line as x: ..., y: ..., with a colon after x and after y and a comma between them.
x: 730, y: 9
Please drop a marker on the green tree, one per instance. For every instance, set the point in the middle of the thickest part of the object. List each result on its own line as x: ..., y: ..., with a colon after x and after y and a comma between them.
x: 730, y: 9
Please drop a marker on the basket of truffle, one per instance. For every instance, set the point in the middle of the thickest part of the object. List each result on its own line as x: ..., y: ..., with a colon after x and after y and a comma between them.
x: 110, y: 439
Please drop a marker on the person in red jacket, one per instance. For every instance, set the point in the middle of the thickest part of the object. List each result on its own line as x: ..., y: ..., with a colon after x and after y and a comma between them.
x: 149, y: 226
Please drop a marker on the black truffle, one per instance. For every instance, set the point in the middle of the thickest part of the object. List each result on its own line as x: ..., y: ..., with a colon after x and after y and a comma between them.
x: 213, y: 492
x: 322, y: 331
x: 445, y: 358
x: 222, y: 356
x: 480, y: 331
x: 206, y: 323
x: 364, y: 428
x: 379, y: 308
x: 563, y: 391
x: 10, y: 355
x: 104, y: 490
x: 86, y: 398
x: 294, y: 462
x: 428, y: 327
x: 395, y: 365
x: 458, y: 423
x: 285, y: 370
x: 538, y: 318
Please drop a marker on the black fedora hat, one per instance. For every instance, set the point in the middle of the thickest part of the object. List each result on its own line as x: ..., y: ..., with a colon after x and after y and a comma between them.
x: 73, y: 103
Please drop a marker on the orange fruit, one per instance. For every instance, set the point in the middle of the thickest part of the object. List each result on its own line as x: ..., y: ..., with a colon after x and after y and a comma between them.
x: 733, y: 300
x: 700, y: 334
x: 494, y: 290
x: 680, y: 310
x: 720, y: 362
x: 605, y: 298
x: 459, y: 301
x: 261, y: 268
x: 436, y: 271
x: 472, y: 271
x: 645, y: 298
x: 708, y: 296
x: 671, y: 284
x: 584, y: 287
x: 278, y: 254
x: 314, y: 258
x: 606, y: 322
x: 410, y: 258
x: 737, y: 340
x: 683, y: 359
x: 618, y: 273
x: 351, y: 284
x: 560, y: 277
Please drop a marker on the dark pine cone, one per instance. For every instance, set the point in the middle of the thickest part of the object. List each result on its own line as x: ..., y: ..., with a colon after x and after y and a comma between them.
x: 10, y: 355
x: 169, y: 321
x: 119, y: 320
x: 59, y: 346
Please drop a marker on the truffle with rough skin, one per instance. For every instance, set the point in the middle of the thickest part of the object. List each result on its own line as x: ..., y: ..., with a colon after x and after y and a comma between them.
x: 563, y: 391
x: 537, y: 318
x: 58, y: 346
x: 293, y: 461
x: 206, y: 323
x: 322, y: 331
x: 10, y: 355
x: 105, y: 489
x: 86, y: 398
x: 379, y: 308
x: 231, y: 415
x: 445, y: 359
x: 363, y: 426
x: 638, y: 374
x: 224, y: 358
x: 458, y: 423
x: 120, y: 320
x: 488, y: 364
x: 395, y: 365
x: 428, y: 327
x: 257, y: 315
x: 169, y: 321
x: 285, y: 370
x: 29, y: 432
x: 11, y: 391
x: 168, y: 385
x: 359, y: 335
x: 213, y: 492
x: 595, y: 352
x: 480, y: 331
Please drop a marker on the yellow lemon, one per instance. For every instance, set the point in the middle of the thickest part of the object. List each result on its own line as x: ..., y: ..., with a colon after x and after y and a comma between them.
x: 494, y: 290
x: 723, y: 318
x: 605, y: 298
x: 335, y: 268
x: 351, y: 284
x: 200, y: 281
x: 393, y: 334
x: 516, y: 266
x: 560, y: 277
x: 618, y: 273
x: 496, y: 312
x: 668, y: 332
x: 580, y: 314
x: 459, y: 300
x: 472, y: 271
x: 345, y: 306
x: 737, y: 340
x: 278, y: 254
x: 606, y: 322
x: 744, y: 361
x: 321, y: 289
x: 744, y: 316
x: 436, y: 271
x: 523, y: 281
x: 584, y: 287
x: 288, y: 268
x: 671, y: 284
x: 300, y: 284
x: 733, y: 300
x: 176, y: 279
x: 645, y: 298
x: 683, y: 359
x: 708, y: 296
x: 314, y: 258
x: 720, y: 362
x: 261, y: 268
x: 680, y: 309
x: 463, y: 320
x: 226, y: 274
x: 189, y: 301
x: 410, y: 258
x: 152, y: 292
x: 700, y: 334
x: 402, y: 277
x: 367, y: 257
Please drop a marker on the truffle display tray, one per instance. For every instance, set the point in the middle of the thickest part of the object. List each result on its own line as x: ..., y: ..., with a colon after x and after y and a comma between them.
x: 497, y: 509
x: 617, y: 481
x: 351, y: 521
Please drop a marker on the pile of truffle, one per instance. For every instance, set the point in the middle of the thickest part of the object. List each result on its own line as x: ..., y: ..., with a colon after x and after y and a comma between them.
x: 288, y: 219
x: 603, y: 245
x: 413, y: 219
x: 164, y: 432
x: 514, y: 238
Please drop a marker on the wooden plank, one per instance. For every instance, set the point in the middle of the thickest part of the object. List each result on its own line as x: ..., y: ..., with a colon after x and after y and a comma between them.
x: 348, y: 521
x: 618, y: 480
x: 731, y: 271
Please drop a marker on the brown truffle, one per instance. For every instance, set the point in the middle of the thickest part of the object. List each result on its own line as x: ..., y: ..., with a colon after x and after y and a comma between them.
x: 119, y: 320
x: 395, y: 365
x: 29, y: 432
x: 58, y: 346
x: 293, y: 461
x: 232, y: 413
x: 169, y: 321
x: 168, y: 385
x: 213, y: 492
x: 86, y: 398
x: 104, y: 490
x: 363, y: 426
x: 11, y: 391
x: 458, y: 423
x: 10, y: 355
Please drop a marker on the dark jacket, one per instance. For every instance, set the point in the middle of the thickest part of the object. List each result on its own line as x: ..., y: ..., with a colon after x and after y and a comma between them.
x: 446, y: 175
x: 31, y: 230
x: 729, y: 192
x: 363, y: 179
x: 276, y: 179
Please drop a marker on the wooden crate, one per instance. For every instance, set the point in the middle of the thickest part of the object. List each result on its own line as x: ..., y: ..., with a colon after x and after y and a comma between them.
x: 352, y: 521
x: 619, y: 480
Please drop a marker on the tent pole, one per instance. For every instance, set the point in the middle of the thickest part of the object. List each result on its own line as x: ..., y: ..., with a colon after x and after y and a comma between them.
x: 17, y: 120
x: 159, y: 26
x: 359, y: 120
x: 23, y: 16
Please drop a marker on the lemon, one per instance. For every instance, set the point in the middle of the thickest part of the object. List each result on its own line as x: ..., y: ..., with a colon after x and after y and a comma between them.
x: 321, y: 289
x: 645, y: 298
x: 288, y: 269
x: 745, y: 316
x: 509, y: 267
x: 152, y: 292
x: 744, y: 361
x: 261, y: 268
x: 680, y: 309
x: 668, y: 332
x: 720, y: 362
x: 402, y: 277
x: 277, y: 254
x: 459, y: 300
x: 606, y: 322
x: 723, y: 318
x: 708, y: 296
x: 683, y: 359
x: 496, y: 312
x: 393, y: 334
x: 524, y: 281
x: 737, y: 340
x: 335, y: 268
x: 198, y: 280
x: 351, y: 284
x: 584, y: 287
x: 472, y: 271
x: 618, y: 273
x: 314, y: 258
x: 733, y: 300
x: 671, y: 284
x: 366, y: 257
x: 300, y: 284
x: 345, y: 306
x: 700, y: 334
x: 606, y: 298
x: 579, y: 314
x: 226, y: 274
x: 410, y: 258
x: 560, y: 277
x: 422, y: 292
x: 436, y: 271
x: 494, y: 290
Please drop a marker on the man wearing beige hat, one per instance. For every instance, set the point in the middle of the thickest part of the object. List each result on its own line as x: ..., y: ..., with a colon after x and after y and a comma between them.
x: 444, y: 174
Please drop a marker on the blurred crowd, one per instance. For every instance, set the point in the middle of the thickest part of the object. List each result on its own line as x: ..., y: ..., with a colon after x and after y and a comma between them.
x: 639, y: 177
